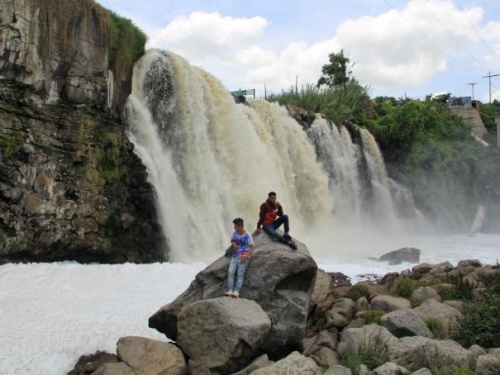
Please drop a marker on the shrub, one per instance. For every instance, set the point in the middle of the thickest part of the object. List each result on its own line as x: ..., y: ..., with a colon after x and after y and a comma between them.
x: 480, y: 324
x: 358, y: 291
x: 372, y: 356
x: 436, y: 327
x: 373, y: 316
x: 406, y: 286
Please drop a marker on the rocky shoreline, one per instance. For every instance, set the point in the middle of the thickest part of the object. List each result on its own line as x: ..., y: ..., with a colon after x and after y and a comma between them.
x: 293, y: 318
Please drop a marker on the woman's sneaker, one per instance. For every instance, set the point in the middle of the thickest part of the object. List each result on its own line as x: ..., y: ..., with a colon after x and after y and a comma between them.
x: 228, y: 293
x: 292, y: 244
x: 235, y: 294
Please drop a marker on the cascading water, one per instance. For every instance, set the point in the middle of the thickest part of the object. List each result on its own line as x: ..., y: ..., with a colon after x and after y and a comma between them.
x: 340, y: 158
x: 211, y: 160
x: 381, y: 206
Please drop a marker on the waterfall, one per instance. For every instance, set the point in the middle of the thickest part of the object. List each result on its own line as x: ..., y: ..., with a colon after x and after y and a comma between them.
x: 211, y: 160
x: 381, y: 204
x: 110, y: 84
x: 340, y: 157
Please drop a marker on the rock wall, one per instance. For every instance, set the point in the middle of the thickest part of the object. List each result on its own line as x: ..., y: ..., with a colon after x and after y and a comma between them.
x: 60, y: 50
x: 71, y: 187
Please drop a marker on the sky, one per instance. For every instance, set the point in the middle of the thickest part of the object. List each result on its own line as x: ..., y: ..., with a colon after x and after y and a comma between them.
x: 53, y: 313
x: 397, y: 48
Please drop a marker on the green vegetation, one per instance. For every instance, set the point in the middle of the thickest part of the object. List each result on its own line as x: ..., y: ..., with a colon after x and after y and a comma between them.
x: 435, y: 325
x: 126, y: 45
x: 339, y: 104
x: 373, y: 316
x: 406, y: 286
x: 372, y: 356
x: 98, y: 154
x: 463, y: 289
x: 358, y: 291
x: 480, y: 324
x: 10, y: 142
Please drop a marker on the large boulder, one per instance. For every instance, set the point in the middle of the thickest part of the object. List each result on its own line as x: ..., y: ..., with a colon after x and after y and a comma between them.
x: 146, y: 356
x: 294, y: 364
x: 389, y: 303
x: 222, y: 334
x: 449, y: 316
x: 406, y: 254
x: 417, y: 352
x: 278, y: 278
x: 405, y: 322
x: 372, y: 339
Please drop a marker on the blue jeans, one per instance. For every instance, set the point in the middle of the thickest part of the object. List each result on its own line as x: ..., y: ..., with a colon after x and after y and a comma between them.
x: 271, y: 228
x: 235, y: 265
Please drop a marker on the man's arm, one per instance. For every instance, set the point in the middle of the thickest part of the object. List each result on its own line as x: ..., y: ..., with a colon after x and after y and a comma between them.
x: 280, y: 209
x: 262, y: 215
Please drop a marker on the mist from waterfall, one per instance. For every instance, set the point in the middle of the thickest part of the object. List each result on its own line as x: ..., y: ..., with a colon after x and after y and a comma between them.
x: 211, y: 160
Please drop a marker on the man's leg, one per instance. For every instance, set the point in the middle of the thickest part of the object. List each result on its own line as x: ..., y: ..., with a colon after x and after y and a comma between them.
x: 283, y: 219
x: 270, y: 229
x: 233, y: 265
x: 241, y: 276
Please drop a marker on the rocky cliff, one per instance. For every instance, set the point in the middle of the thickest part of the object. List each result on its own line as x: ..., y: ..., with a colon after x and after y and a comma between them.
x: 71, y: 187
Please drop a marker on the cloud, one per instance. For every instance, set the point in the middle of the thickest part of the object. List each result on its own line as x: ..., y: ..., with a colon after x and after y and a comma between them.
x: 399, y: 48
x: 202, y: 36
x: 407, y: 47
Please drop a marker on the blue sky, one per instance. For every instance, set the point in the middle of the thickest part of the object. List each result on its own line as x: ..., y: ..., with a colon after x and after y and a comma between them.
x: 398, y: 48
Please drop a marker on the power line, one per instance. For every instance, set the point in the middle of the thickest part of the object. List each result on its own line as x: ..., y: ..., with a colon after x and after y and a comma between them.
x: 489, y: 79
x: 475, y: 30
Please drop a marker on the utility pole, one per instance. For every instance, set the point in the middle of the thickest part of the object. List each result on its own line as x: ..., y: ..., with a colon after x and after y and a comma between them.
x: 472, y: 85
x: 489, y: 79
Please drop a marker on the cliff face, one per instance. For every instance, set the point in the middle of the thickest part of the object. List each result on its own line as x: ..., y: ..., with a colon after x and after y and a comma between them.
x: 71, y: 187
x: 60, y: 50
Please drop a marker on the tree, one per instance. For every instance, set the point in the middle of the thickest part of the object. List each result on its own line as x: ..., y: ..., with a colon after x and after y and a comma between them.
x: 336, y: 73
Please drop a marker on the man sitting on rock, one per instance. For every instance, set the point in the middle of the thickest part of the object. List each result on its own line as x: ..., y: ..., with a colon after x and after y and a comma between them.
x: 242, y: 244
x: 271, y: 217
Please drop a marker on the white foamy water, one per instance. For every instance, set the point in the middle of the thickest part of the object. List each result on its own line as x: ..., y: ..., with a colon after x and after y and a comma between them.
x: 53, y: 313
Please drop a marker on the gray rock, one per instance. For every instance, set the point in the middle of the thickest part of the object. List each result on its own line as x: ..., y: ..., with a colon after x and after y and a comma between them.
x: 338, y: 370
x: 345, y: 307
x: 405, y: 322
x: 424, y: 293
x: 473, y: 354
x: 119, y: 368
x: 279, y: 279
x: 487, y: 364
x: 222, y: 334
x: 335, y: 319
x: 390, y: 368
x: 147, y: 356
x: 325, y: 357
x: 294, y: 364
x: 389, y: 303
x: 449, y: 316
x: 417, y: 352
x: 323, y: 339
x: 256, y: 364
x: 371, y: 338
x: 422, y: 371
x: 469, y: 263
x: 405, y: 254
x: 362, y: 304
